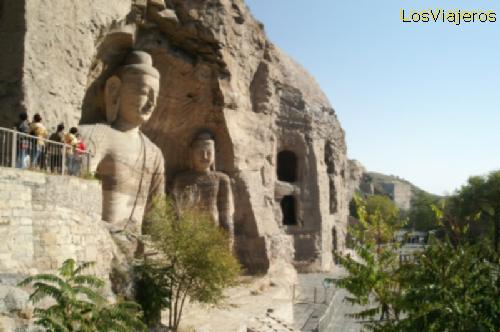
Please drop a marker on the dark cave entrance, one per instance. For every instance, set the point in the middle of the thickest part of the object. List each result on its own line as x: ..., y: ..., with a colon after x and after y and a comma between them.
x: 287, y: 166
x: 288, y: 209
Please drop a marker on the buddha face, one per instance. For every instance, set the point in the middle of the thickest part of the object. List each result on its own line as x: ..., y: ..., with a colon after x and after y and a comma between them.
x: 137, y: 97
x: 131, y: 98
x: 203, y: 155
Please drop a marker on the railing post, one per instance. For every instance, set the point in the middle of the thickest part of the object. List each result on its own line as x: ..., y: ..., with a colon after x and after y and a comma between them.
x: 63, y: 166
x: 14, y: 149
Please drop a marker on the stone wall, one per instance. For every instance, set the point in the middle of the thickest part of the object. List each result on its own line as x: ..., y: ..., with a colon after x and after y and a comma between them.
x: 44, y: 220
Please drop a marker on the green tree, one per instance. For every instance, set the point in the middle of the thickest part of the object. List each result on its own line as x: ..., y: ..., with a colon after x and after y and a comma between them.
x: 371, y: 280
x: 378, y: 218
x: 477, y: 205
x: 453, y: 285
x: 421, y: 216
x: 78, y: 303
x: 153, y: 290
x: 197, y: 254
x: 371, y: 271
x: 449, y: 288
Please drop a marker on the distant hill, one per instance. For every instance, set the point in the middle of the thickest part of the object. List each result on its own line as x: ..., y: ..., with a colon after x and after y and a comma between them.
x: 378, y: 178
x: 400, y: 190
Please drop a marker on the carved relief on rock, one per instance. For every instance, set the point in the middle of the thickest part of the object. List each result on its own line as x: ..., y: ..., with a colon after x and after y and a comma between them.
x: 129, y: 165
x: 203, y: 188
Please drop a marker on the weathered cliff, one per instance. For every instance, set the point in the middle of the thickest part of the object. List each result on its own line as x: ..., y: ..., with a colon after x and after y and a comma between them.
x: 277, y: 136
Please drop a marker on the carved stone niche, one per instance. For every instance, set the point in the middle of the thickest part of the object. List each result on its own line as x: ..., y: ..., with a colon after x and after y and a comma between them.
x: 203, y: 188
x: 286, y: 191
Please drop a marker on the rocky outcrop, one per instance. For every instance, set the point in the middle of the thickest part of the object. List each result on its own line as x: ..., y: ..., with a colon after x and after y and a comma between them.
x: 356, y: 171
x: 366, y: 183
x: 47, y: 55
x: 276, y: 134
x: 221, y: 73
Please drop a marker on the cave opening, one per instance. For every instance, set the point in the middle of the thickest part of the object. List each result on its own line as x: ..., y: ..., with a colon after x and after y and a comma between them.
x: 287, y: 166
x: 288, y: 209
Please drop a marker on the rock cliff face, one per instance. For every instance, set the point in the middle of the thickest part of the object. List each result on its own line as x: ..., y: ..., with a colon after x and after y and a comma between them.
x: 277, y: 136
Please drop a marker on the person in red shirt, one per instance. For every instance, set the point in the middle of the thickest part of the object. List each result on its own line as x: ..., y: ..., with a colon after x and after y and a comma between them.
x: 79, y: 155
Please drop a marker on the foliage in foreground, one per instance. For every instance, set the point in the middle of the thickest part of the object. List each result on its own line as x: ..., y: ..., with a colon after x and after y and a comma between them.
x: 197, y: 254
x: 477, y: 206
x: 450, y: 288
x: 453, y: 285
x: 371, y: 279
x: 153, y: 291
x: 78, y: 304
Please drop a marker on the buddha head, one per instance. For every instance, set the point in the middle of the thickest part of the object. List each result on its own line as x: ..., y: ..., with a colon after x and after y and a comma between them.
x: 203, y: 152
x: 131, y: 94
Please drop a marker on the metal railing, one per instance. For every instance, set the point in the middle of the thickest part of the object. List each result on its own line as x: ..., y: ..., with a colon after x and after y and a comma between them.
x: 19, y: 150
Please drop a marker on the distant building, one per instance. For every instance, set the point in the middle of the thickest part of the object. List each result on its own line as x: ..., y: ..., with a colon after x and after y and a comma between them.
x: 400, y: 193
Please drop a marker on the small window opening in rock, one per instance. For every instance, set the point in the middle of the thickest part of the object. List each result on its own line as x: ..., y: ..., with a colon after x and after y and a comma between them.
x: 288, y: 210
x: 287, y: 166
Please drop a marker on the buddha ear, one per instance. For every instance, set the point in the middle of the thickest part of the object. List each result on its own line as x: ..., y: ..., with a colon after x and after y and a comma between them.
x: 112, y: 98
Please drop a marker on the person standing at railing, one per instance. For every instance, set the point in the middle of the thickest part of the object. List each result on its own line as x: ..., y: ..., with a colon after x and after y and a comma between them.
x: 78, y: 155
x: 56, y: 151
x: 23, y: 142
x: 38, y: 129
x: 71, y: 141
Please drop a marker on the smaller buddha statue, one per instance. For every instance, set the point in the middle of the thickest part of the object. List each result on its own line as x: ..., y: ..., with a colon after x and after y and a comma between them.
x: 203, y: 188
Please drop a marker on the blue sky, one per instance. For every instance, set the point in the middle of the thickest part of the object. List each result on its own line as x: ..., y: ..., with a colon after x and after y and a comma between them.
x: 418, y: 100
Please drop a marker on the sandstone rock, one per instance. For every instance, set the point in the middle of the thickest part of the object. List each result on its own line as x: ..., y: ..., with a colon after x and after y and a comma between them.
x: 59, y: 40
x: 218, y: 71
x: 355, y: 173
x: 13, y: 300
x: 278, y: 138
x: 203, y: 188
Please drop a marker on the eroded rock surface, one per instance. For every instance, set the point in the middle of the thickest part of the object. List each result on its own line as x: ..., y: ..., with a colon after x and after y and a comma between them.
x: 278, y: 138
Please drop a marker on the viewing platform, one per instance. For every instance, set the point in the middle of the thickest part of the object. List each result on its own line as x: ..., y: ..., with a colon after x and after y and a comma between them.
x: 23, y: 151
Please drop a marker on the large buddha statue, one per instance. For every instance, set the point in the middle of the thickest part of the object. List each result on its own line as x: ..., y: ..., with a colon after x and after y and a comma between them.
x: 129, y: 165
x: 204, y: 188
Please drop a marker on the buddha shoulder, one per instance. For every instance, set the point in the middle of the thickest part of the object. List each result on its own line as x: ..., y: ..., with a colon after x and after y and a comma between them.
x: 223, y: 177
x: 153, y: 148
